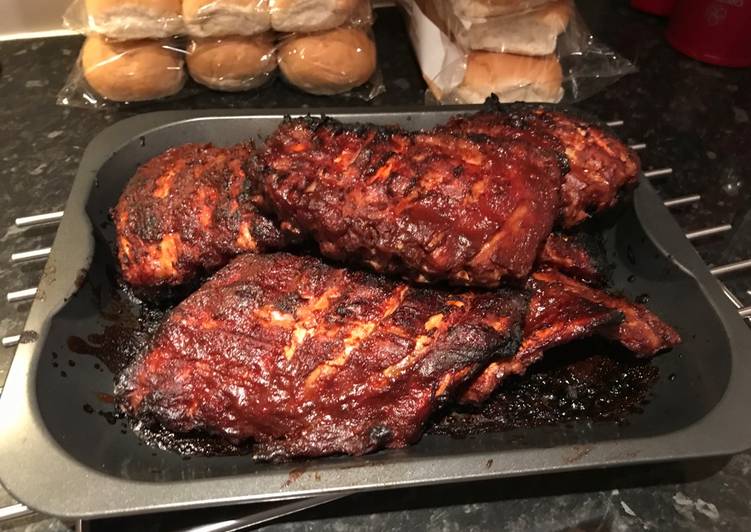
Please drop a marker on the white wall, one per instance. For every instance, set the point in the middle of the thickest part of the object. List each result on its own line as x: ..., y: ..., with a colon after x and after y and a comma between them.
x: 22, y: 16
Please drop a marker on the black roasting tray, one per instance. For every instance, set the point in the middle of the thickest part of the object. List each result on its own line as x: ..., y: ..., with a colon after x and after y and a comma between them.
x: 59, y: 458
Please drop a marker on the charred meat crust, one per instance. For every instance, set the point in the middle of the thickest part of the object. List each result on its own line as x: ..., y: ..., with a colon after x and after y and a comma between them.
x: 189, y: 211
x: 580, y: 255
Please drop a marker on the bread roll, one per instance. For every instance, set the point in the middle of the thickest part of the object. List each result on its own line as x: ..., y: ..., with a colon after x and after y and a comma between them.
x: 511, y: 77
x: 218, y: 18
x: 330, y: 62
x: 478, y: 9
x: 533, y: 32
x: 311, y: 15
x: 131, y: 71
x: 232, y: 63
x: 135, y: 19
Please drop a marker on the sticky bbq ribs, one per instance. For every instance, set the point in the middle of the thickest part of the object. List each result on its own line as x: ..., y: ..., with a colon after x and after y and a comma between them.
x: 427, y: 206
x: 471, y: 202
x: 600, y: 166
x: 187, y: 211
x: 307, y: 359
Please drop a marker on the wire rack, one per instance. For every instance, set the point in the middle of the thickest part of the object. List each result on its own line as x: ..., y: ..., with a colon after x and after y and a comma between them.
x: 39, y: 255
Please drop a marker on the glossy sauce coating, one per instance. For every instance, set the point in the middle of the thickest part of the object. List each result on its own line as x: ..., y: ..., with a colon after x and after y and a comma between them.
x: 427, y: 206
x: 599, y: 166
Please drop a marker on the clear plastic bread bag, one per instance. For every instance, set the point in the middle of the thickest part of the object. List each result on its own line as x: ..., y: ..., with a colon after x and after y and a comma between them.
x: 341, y: 61
x: 529, y: 50
x: 126, y: 19
x: 221, y: 18
x: 116, y: 73
x: 295, y: 16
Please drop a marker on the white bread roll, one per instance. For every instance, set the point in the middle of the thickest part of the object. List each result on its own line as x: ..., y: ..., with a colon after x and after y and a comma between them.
x: 135, y: 19
x: 311, y: 15
x: 532, y: 33
x: 131, y: 71
x: 217, y: 18
x: 330, y: 62
x: 513, y: 78
x: 478, y: 9
x: 232, y: 63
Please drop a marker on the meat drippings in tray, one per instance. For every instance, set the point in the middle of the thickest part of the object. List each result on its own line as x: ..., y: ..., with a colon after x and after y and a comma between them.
x: 567, y: 386
x: 570, y: 384
x: 300, y: 358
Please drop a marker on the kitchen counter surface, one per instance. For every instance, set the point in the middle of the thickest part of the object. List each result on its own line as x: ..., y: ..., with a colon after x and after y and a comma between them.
x: 694, y: 118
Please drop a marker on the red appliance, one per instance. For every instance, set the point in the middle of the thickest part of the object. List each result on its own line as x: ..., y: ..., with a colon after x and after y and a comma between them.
x: 713, y: 31
x: 656, y: 7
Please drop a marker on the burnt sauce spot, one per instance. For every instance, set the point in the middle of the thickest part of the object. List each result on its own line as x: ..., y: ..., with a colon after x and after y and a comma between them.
x: 81, y: 278
x: 191, y: 444
x: 110, y: 416
x: 630, y: 254
x: 28, y: 337
x: 294, y: 474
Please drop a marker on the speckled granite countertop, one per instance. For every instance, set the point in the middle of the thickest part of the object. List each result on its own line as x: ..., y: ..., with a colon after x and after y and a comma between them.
x: 693, y: 117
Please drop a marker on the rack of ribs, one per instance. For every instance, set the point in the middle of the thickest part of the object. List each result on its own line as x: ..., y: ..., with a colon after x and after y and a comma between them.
x: 187, y: 211
x: 600, y: 166
x: 308, y: 360
x: 561, y: 310
x: 471, y: 202
x: 427, y: 206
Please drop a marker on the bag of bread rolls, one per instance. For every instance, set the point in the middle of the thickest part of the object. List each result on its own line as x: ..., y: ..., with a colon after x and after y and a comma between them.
x: 520, y: 50
x: 532, y: 31
x: 331, y: 62
x: 126, y: 19
x: 220, y: 18
x: 124, y: 72
x: 306, y: 16
x: 232, y: 64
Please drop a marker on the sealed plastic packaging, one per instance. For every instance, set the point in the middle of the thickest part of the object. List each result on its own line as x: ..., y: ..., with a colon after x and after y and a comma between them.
x: 526, y: 31
x: 332, y: 62
x: 124, y: 71
x: 533, y: 50
x: 479, y: 9
x: 306, y: 16
x: 126, y: 19
x: 220, y: 18
x: 232, y: 64
x: 227, y: 46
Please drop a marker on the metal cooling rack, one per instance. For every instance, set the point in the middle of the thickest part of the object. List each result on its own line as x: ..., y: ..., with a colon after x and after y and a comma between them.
x: 26, y: 294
